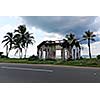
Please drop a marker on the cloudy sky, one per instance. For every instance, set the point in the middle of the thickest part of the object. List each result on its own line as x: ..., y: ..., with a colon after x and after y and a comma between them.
x: 52, y: 28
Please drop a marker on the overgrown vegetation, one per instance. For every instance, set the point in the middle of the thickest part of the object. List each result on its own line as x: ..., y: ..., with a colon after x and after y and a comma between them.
x: 83, y: 62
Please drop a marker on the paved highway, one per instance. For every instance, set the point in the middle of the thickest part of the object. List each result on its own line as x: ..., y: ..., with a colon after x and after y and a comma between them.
x: 30, y: 73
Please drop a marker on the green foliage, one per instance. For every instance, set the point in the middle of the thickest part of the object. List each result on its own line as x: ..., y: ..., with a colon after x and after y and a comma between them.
x: 19, y: 40
x: 1, y: 54
x: 89, y: 36
x: 98, y: 56
x: 84, y: 62
x: 33, y: 57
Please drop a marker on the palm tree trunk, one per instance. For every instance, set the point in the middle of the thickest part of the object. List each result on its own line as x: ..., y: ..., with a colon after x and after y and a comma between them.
x: 7, y: 51
x: 25, y: 52
x: 89, y: 48
x: 21, y: 53
x: 70, y: 53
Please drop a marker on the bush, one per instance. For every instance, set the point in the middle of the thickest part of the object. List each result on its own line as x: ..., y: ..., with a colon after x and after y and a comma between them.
x: 81, y: 58
x: 50, y: 59
x: 3, y: 56
x: 33, y: 57
x: 98, y: 56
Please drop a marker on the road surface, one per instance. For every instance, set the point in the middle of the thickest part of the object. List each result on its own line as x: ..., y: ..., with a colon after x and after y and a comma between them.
x: 30, y: 73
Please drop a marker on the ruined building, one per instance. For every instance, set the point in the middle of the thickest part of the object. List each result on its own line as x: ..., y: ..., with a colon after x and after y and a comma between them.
x: 48, y: 50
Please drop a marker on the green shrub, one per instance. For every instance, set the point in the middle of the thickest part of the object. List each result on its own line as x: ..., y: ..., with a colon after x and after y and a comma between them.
x: 50, y: 59
x: 33, y: 57
x: 98, y: 56
x: 3, y: 56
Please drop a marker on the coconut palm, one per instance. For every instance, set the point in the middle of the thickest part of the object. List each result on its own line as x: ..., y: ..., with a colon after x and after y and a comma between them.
x: 78, y: 47
x: 71, y: 41
x: 64, y: 45
x: 20, y: 38
x: 17, y: 45
x: 18, y: 49
x: 29, y: 40
x: 21, y: 31
x: 89, y: 36
x: 8, y: 42
x: 23, y: 38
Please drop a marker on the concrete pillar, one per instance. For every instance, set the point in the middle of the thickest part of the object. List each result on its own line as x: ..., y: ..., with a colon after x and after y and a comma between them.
x: 63, y: 54
x: 38, y: 52
x: 46, y: 53
x: 76, y: 53
x: 79, y: 53
x: 41, y: 53
x: 54, y: 52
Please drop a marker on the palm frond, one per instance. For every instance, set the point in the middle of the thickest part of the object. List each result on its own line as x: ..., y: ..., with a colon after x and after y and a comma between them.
x: 93, y: 35
x: 93, y: 39
x: 5, y: 40
x: 6, y: 44
x: 16, y: 51
x: 16, y: 31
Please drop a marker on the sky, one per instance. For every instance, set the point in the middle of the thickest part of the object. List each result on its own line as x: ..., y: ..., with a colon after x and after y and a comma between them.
x: 52, y: 28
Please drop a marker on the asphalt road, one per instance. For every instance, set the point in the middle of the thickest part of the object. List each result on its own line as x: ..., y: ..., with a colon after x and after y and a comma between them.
x: 28, y: 73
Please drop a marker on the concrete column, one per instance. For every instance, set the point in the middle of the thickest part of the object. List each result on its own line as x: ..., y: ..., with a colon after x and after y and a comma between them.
x: 63, y: 54
x: 41, y: 53
x: 38, y: 52
x: 46, y: 53
x: 79, y: 53
x: 76, y: 53
x: 54, y: 52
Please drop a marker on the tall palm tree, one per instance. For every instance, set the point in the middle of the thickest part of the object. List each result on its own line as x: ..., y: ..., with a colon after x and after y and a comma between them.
x: 18, y: 49
x: 20, y: 38
x: 71, y: 42
x: 89, y: 36
x: 78, y: 47
x: 29, y: 40
x: 21, y: 31
x: 9, y: 42
x: 23, y: 38
x: 64, y: 45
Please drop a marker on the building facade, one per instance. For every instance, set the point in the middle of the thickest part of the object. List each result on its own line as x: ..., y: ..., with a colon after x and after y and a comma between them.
x: 48, y: 50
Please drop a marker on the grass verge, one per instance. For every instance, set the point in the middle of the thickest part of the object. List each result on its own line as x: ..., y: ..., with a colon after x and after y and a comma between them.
x: 84, y: 62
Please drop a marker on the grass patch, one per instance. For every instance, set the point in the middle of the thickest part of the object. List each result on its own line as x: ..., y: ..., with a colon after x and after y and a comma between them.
x: 84, y: 62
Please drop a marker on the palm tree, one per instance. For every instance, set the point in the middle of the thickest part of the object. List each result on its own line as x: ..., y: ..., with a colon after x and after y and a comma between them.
x: 18, y: 49
x: 9, y: 42
x: 20, y: 38
x: 29, y: 40
x: 17, y: 45
x: 23, y: 38
x: 21, y: 31
x: 71, y: 42
x: 89, y: 36
x: 78, y: 47
x: 64, y: 45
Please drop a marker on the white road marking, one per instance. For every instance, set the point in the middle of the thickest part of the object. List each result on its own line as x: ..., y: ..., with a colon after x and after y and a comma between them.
x: 27, y: 69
